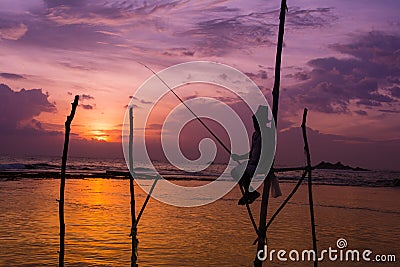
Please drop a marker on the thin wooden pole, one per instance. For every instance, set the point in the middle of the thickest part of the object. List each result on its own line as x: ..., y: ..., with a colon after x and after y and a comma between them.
x: 132, y: 192
x: 146, y: 201
x: 306, y: 172
x: 310, y: 195
x: 62, y: 186
x: 275, y: 103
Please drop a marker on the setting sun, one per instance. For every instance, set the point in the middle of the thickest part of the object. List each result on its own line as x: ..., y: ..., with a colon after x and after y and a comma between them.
x: 99, y: 135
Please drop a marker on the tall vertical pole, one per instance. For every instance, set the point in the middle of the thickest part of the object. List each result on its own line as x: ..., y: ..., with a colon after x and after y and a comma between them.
x: 132, y: 192
x: 62, y: 185
x: 310, y: 196
x: 275, y: 103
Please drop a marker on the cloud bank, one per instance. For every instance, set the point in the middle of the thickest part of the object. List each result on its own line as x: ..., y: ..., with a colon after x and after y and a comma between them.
x: 367, y: 76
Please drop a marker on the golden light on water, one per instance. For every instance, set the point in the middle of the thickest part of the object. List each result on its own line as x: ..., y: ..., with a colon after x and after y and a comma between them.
x: 219, y: 234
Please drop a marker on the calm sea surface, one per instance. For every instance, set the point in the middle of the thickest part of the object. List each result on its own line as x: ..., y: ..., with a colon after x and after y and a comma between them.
x: 219, y: 234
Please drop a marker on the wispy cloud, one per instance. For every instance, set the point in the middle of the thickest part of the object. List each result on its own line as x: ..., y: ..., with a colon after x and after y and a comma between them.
x: 11, y: 76
x: 86, y: 97
x: 305, y: 18
x: 86, y: 106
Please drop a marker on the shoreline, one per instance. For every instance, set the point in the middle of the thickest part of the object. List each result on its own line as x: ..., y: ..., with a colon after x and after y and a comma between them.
x: 116, y: 175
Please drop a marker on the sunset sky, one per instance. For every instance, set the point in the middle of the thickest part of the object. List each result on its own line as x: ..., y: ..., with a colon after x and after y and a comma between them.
x: 341, y: 60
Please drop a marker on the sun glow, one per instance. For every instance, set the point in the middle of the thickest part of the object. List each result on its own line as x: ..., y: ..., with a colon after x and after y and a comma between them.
x: 99, y: 135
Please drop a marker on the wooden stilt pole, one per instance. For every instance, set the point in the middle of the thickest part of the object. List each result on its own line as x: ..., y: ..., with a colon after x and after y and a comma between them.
x: 62, y: 185
x: 275, y: 93
x: 132, y: 192
x: 310, y: 196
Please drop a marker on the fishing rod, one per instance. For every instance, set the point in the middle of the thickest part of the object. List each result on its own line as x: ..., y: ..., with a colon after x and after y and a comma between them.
x: 191, y: 111
x: 215, y: 136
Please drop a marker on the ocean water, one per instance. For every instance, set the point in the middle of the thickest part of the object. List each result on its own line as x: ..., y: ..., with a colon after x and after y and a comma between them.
x: 97, y: 215
x: 91, y: 167
x: 355, y: 206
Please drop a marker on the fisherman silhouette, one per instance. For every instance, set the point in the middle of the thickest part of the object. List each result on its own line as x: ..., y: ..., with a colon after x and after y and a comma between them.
x: 261, y: 141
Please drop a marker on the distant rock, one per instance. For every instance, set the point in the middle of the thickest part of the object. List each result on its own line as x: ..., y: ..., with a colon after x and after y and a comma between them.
x: 337, y: 166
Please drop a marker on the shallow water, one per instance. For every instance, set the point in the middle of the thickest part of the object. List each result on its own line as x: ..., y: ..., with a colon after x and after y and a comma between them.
x: 219, y: 234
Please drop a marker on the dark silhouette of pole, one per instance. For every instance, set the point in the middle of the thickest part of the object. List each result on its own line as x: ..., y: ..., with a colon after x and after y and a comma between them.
x: 62, y: 186
x: 275, y: 103
x: 310, y: 196
x: 146, y: 201
x: 133, y: 233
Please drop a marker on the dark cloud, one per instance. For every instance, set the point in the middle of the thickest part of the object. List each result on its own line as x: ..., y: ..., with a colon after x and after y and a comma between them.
x: 361, y: 112
x: 66, y: 3
x: 76, y: 67
x: 306, y: 18
x: 145, y: 102
x: 395, y: 91
x: 140, y: 100
x: 18, y: 109
x: 217, y: 36
x: 86, y: 97
x: 88, y: 107
x: 101, y: 25
x: 261, y: 74
x: 173, y: 52
x: 100, y: 13
x: 22, y: 134
x: 11, y: 76
x: 368, y: 78
x: 388, y: 110
x: 300, y: 76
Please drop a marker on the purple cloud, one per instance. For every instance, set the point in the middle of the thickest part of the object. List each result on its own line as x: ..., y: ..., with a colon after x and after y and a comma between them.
x: 11, y: 30
x: 366, y: 78
x: 88, y: 107
x: 18, y: 109
x: 262, y: 74
x: 395, y: 91
x: 86, y: 97
x: 361, y: 112
x: 145, y: 102
x: 306, y: 18
x: 11, y: 76
x: 65, y: 3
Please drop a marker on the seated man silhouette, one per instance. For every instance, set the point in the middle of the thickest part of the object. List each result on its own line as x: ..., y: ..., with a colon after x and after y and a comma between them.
x: 244, y: 172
